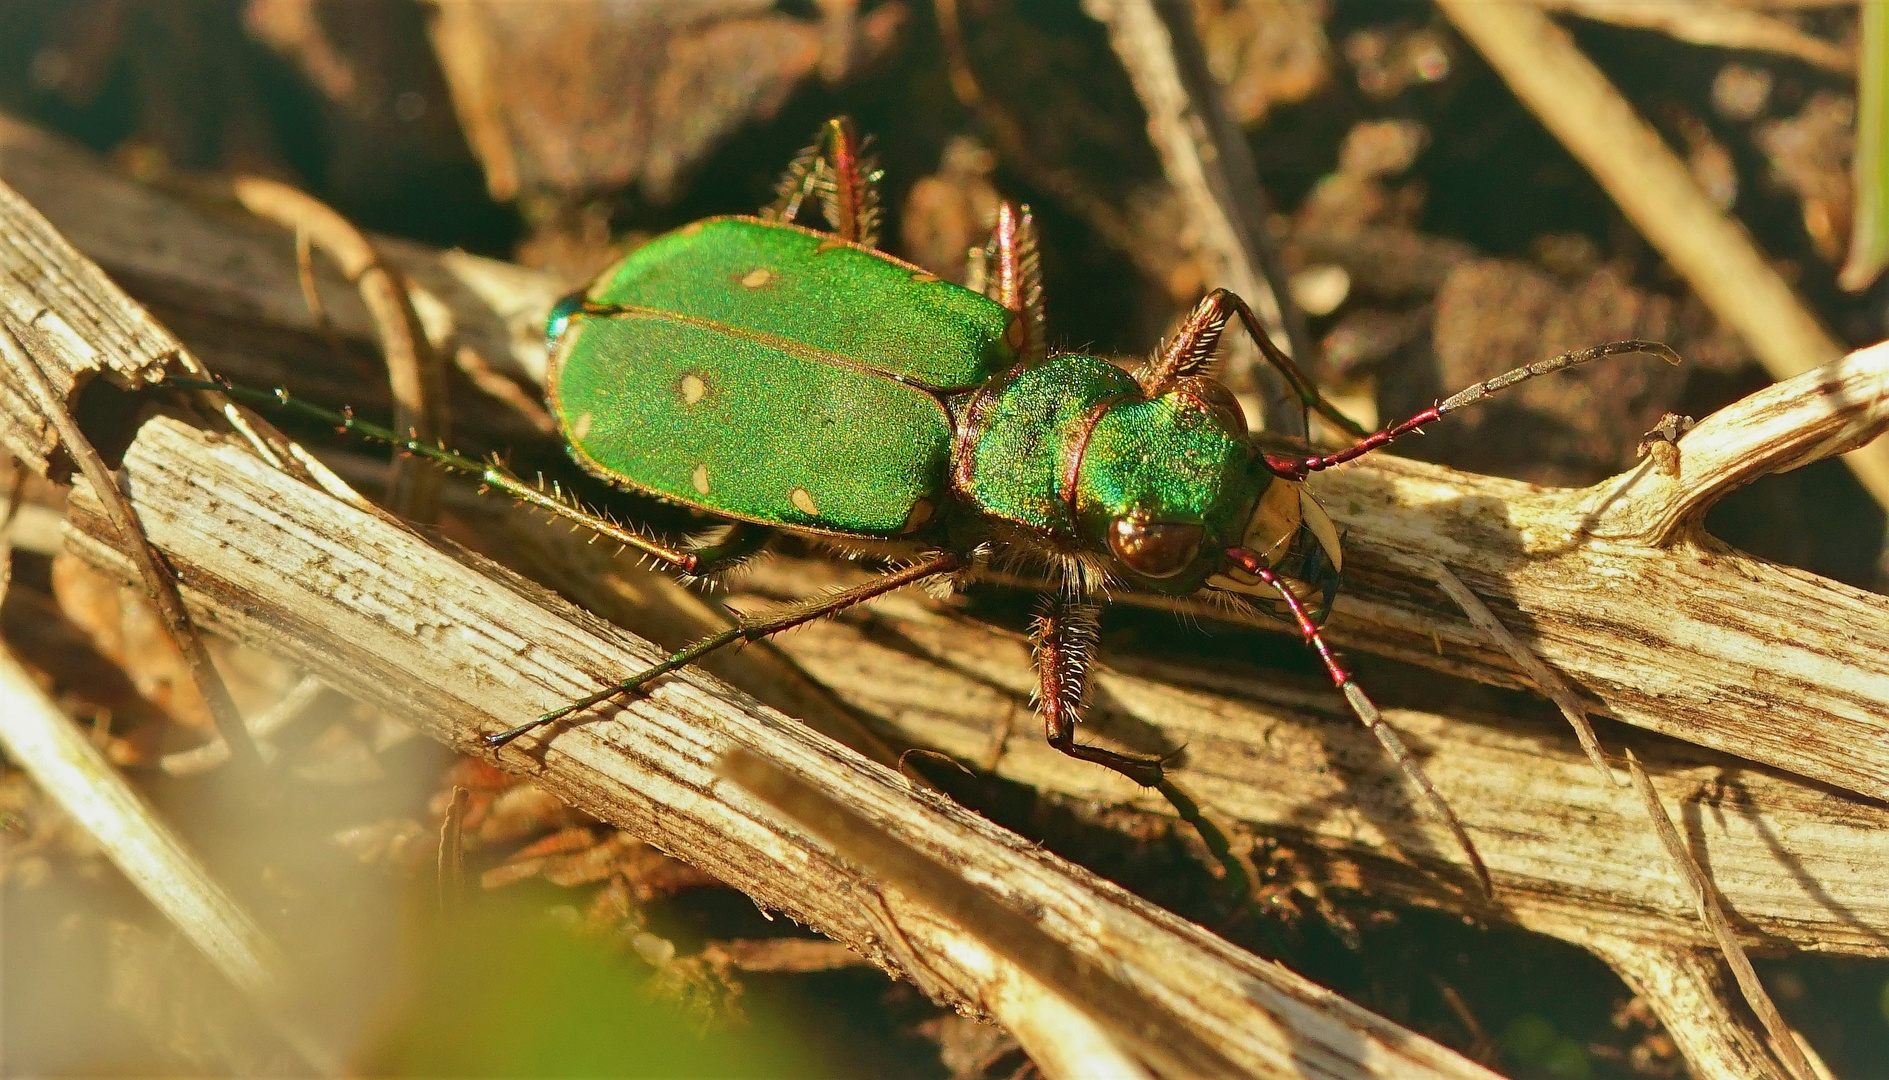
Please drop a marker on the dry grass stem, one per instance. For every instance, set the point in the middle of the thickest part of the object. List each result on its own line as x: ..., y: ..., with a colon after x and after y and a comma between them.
x: 413, y: 366
x: 26, y: 376
x: 1038, y: 995
x: 1699, y: 887
x: 1686, y: 989
x: 1869, y: 234
x: 1657, y: 193
x: 1545, y: 680
x: 452, y: 851
x: 1709, y: 22
x: 1689, y: 870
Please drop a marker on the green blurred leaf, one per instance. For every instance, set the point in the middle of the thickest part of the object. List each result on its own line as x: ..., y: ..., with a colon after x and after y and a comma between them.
x: 1528, y: 1039
x: 507, y: 994
x: 1567, y: 1060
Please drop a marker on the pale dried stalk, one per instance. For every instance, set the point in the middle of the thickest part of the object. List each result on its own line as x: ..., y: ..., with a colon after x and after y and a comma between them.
x: 1869, y: 173
x: 413, y: 367
x: 461, y: 649
x: 1711, y: 911
x: 25, y: 375
x: 1686, y: 989
x: 1707, y: 22
x: 41, y: 739
x: 1550, y: 685
x: 1034, y: 981
x: 1706, y: 899
x: 1657, y: 193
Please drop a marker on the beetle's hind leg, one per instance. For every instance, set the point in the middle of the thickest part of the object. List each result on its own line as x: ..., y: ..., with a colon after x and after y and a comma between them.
x: 836, y: 170
x: 747, y: 628
x: 1064, y: 642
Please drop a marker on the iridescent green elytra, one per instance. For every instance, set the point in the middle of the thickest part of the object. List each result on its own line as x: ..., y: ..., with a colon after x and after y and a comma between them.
x: 772, y: 374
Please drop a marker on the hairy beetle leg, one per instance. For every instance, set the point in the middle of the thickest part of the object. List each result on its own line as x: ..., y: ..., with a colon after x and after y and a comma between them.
x: 1064, y: 638
x: 837, y: 171
x: 1013, y: 276
x: 489, y: 473
x: 1191, y: 350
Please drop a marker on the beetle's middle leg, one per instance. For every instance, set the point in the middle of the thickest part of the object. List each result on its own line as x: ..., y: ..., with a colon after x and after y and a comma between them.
x: 1064, y: 640
x: 748, y: 628
x: 837, y: 171
x: 1012, y: 275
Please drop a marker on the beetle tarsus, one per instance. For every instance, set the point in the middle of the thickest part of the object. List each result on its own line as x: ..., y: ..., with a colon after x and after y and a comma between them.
x: 503, y: 738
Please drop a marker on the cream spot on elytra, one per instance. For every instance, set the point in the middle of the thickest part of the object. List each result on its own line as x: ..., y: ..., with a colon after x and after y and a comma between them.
x: 581, y: 427
x: 693, y: 389
x: 803, y: 501
x: 757, y: 277
x: 700, y: 478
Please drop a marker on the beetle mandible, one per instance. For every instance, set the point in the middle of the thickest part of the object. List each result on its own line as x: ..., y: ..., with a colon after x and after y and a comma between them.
x: 788, y: 379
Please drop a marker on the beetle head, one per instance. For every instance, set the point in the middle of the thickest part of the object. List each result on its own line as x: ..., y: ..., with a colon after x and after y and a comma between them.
x: 1165, y: 485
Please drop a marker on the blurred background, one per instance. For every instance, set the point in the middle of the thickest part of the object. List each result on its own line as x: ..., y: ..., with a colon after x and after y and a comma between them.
x: 1432, y: 231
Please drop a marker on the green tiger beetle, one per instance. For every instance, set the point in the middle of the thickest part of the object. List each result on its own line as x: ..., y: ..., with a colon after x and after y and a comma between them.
x: 786, y: 379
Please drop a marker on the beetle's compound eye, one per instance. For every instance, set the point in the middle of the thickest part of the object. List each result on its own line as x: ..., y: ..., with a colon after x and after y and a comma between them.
x: 1153, y: 550
x: 560, y: 319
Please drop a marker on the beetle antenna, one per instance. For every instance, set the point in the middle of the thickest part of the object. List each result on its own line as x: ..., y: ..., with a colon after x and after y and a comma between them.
x: 1297, y: 468
x: 1367, y: 712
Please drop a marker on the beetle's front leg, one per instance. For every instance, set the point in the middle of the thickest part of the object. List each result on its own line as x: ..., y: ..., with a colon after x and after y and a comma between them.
x: 836, y: 170
x: 1064, y: 637
x: 1192, y: 347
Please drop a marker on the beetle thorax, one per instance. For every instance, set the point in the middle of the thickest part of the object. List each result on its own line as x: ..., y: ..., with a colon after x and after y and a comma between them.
x: 1067, y: 460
